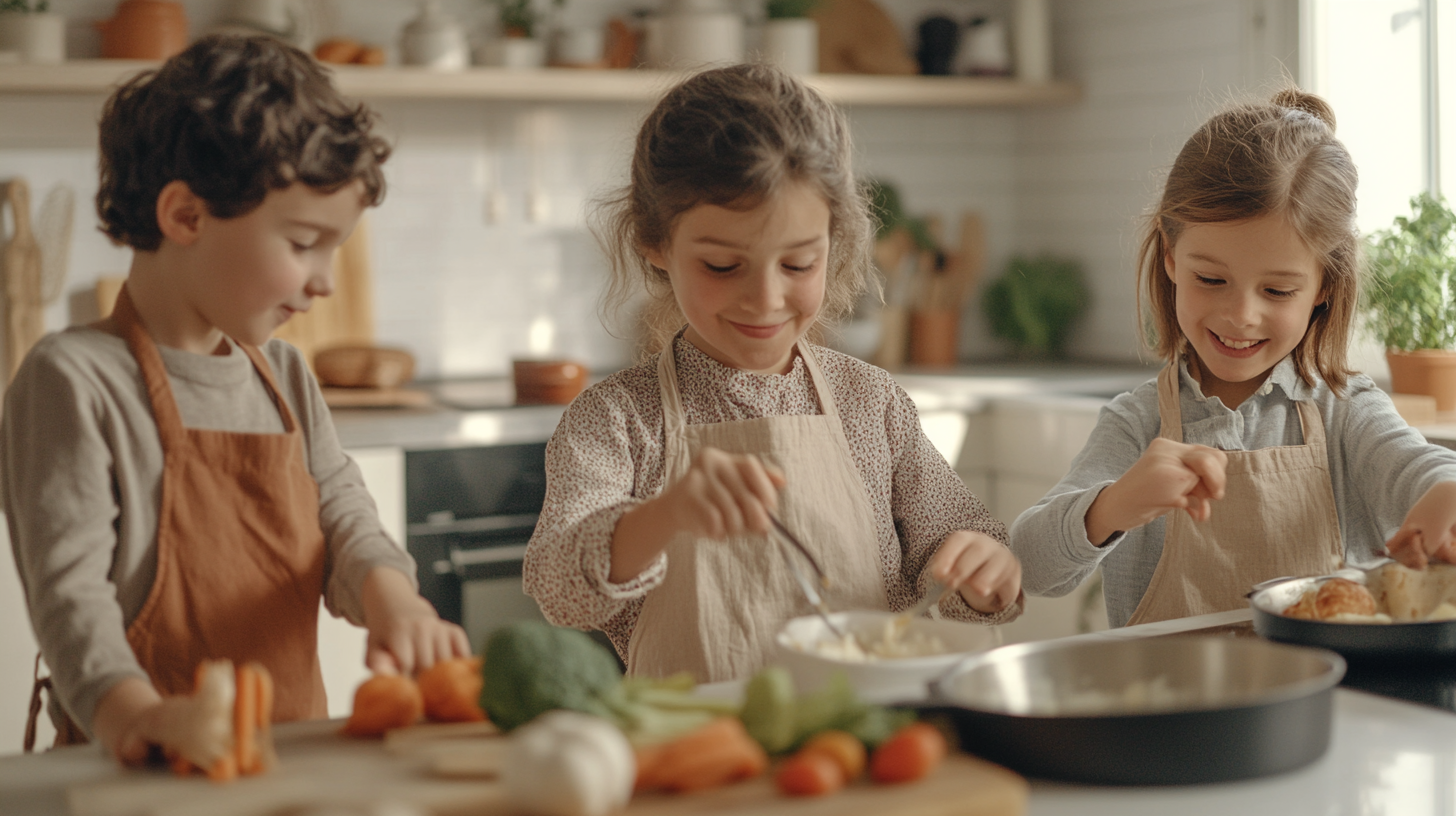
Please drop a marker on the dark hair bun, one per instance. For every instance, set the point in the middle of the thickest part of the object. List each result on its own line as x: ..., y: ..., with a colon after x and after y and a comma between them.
x: 1307, y: 102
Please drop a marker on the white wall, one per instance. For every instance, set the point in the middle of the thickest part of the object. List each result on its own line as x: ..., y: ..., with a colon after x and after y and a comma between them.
x: 1151, y: 71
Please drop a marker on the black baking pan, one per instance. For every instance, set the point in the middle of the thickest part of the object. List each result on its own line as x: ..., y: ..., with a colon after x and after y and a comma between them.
x: 1154, y: 711
x: 1415, y: 641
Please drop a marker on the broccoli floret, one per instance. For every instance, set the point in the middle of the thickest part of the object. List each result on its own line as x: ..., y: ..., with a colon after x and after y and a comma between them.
x: 533, y: 667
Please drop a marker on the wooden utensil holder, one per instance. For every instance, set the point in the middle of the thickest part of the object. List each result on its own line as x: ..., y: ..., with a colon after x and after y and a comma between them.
x: 934, y: 335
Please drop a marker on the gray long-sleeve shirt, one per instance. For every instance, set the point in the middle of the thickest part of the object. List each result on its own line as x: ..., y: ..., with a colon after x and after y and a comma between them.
x: 1379, y: 468
x: 80, y: 475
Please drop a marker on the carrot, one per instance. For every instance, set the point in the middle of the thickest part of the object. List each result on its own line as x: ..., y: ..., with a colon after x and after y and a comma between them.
x: 382, y: 702
x: 451, y: 690
x: 245, y: 720
x: 718, y: 753
x: 909, y: 754
x: 841, y: 746
x: 810, y: 773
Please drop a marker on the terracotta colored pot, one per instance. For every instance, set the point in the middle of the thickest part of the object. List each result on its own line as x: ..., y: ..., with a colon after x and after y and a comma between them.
x: 551, y: 382
x: 144, y: 29
x: 1431, y: 372
x: 933, y: 336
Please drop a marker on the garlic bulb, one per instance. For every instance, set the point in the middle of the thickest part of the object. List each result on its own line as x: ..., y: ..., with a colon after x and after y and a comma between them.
x: 565, y: 763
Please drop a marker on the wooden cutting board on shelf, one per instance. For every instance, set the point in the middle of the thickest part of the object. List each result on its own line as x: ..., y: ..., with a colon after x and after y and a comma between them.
x: 318, y: 767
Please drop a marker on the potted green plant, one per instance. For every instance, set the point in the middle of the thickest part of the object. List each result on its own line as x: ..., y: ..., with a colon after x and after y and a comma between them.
x: 518, y: 45
x: 1410, y: 301
x: 791, y: 36
x: 1036, y: 304
x: 28, y: 28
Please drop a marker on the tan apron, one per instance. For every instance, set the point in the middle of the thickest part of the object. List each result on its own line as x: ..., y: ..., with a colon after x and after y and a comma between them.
x: 1277, y: 517
x: 722, y: 602
x: 240, y: 554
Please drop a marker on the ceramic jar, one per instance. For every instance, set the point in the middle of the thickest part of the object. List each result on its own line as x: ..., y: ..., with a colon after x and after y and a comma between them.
x: 792, y: 43
x: 144, y: 29
x: 435, y: 40
x: 35, y: 36
x: 694, y: 34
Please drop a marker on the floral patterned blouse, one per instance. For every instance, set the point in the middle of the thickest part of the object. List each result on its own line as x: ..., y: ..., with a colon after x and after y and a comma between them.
x: 606, y: 457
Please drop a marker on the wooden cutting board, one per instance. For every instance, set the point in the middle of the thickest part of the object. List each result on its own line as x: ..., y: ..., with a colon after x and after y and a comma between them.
x: 375, y: 397
x: 318, y: 767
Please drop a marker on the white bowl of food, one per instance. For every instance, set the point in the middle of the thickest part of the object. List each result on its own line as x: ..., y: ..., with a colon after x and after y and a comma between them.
x: 885, y: 657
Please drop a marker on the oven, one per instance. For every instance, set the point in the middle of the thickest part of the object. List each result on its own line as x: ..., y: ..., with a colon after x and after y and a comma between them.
x: 470, y: 512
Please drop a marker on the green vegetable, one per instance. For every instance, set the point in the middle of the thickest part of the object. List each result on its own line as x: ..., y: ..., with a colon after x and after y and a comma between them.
x: 1412, y: 296
x: 784, y: 9
x: 532, y: 667
x: 780, y: 721
x: 1036, y: 304
x: 769, y: 709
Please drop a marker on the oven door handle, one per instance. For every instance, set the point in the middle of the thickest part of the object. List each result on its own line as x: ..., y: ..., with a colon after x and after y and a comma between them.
x: 446, y: 524
x: 461, y: 558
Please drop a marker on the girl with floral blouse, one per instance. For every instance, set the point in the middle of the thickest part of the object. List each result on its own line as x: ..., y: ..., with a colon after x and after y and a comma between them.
x: 743, y: 222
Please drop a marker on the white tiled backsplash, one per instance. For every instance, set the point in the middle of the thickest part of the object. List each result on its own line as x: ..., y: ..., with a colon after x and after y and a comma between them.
x: 480, y: 249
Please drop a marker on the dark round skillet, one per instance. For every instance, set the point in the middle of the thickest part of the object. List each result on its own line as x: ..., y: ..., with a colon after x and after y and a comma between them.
x: 1414, y: 641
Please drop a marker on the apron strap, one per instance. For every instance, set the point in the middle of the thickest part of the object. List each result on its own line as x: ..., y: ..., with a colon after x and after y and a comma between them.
x: 674, y: 416
x: 266, y: 372
x: 1170, y: 413
x: 154, y: 373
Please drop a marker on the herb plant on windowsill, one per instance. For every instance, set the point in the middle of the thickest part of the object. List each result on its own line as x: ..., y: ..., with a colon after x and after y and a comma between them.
x: 1411, y: 299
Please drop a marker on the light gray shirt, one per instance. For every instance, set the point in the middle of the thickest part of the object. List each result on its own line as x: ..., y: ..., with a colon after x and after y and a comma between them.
x: 1379, y: 468
x: 81, y: 480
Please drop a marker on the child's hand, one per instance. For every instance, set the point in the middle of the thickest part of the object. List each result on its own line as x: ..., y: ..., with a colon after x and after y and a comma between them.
x: 1427, y: 533
x: 724, y: 494
x: 985, y: 572
x: 406, y: 635
x: 1168, y: 476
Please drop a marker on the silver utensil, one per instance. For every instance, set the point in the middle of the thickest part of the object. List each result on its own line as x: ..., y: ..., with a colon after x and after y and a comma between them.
x: 806, y: 584
x: 934, y: 591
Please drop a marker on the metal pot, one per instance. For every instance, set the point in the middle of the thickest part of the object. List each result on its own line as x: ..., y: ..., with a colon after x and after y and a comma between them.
x: 1414, y: 640
x: 1156, y: 711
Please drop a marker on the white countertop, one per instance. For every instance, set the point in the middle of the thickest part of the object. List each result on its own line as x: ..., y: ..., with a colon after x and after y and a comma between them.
x: 1386, y: 758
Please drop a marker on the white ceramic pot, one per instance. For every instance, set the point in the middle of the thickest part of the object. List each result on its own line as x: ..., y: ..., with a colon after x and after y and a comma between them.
x: 35, y: 36
x: 696, y: 39
x: 792, y: 43
x: 434, y: 40
x: 516, y: 53
x: 578, y: 46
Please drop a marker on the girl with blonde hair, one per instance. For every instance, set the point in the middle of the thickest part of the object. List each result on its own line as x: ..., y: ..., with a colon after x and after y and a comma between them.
x: 1256, y: 453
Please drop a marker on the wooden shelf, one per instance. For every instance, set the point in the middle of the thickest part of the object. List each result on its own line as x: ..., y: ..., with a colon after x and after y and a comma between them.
x: 568, y: 85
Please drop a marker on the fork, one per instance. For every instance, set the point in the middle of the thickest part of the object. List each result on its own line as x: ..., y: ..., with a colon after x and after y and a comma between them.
x: 934, y: 591
x: 815, y: 599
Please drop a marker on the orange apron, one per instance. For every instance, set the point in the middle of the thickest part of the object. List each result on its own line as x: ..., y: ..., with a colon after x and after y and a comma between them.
x: 1277, y: 517
x: 240, y: 554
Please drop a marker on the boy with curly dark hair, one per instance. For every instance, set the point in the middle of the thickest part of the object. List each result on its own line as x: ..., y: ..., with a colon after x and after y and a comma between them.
x: 174, y: 487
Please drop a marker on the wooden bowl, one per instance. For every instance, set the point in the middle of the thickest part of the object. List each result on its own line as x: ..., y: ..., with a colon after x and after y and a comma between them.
x: 363, y: 367
x: 547, y: 382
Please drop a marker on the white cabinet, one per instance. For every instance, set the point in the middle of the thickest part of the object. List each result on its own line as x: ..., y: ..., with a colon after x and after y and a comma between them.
x: 1011, y: 450
x: 341, y: 644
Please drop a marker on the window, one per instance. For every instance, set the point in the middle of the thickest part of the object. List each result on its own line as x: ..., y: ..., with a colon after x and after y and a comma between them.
x: 1373, y: 61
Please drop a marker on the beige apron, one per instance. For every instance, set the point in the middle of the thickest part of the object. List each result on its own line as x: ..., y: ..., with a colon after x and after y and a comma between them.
x: 722, y: 602
x: 1277, y: 517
